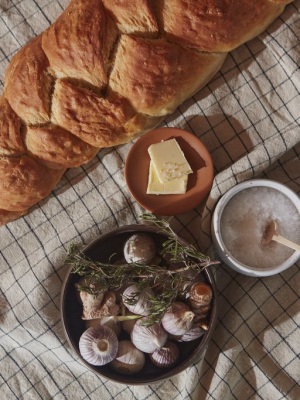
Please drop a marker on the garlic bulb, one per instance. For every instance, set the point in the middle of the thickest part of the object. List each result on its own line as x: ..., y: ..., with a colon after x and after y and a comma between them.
x: 129, y: 359
x: 194, y: 333
x: 148, y: 338
x: 142, y: 304
x: 178, y: 319
x: 98, y: 346
x: 166, y: 356
x: 139, y: 248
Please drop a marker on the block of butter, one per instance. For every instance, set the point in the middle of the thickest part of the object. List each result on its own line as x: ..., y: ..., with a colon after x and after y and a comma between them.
x: 175, y: 186
x: 168, y: 160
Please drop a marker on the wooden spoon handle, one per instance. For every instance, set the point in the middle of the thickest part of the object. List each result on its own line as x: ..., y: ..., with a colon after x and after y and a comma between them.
x: 286, y: 242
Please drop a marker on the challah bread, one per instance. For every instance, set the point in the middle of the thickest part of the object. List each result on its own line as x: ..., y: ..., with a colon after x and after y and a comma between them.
x: 105, y: 72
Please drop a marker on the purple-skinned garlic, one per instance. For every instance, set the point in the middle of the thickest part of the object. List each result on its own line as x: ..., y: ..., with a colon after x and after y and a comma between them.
x: 98, y: 346
x: 178, y: 319
x: 141, y: 302
x: 194, y: 333
x: 166, y: 356
x: 148, y: 338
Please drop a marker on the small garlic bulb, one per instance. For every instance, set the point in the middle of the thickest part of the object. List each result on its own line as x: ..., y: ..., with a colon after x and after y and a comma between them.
x: 129, y: 359
x: 98, y: 346
x: 166, y: 356
x: 139, y: 248
x: 142, y: 304
x: 148, y: 338
x: 178, y: 319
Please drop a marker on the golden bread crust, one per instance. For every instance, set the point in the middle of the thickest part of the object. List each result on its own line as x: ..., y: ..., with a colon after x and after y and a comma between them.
x: 57, y: 148
x: 97, y: 120
x: 133, y: 17
x: 28, y: 84
x: 78, y: 45
x: 156, y: 76
x: 215, y: 25
x: 8, y: 216
x: 11, y: 143
x: 25, y: 182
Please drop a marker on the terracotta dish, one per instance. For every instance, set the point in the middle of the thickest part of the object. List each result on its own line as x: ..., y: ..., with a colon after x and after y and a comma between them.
x: 71, y: 310
x: 199, y: 182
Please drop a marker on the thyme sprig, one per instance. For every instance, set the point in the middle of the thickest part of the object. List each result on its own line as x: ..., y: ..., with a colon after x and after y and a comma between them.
x: 107, y: 276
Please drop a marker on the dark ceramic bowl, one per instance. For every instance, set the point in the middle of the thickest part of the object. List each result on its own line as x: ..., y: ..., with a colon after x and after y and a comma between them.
x: 71, y: 310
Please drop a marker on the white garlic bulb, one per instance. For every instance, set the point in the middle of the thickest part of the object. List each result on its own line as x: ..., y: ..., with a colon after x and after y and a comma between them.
x: 148, y: 338
x: 166, y: 356
x: 178, y: 319
x: 129, y: 359
x: 98, y: 346
x: 141, y: 304
x: 139, y: 248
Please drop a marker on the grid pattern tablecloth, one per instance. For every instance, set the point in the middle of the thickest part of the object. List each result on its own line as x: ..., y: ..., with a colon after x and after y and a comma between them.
x: 248, y: 117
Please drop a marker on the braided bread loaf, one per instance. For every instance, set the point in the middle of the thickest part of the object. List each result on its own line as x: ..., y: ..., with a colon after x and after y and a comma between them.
x: 105, y: 72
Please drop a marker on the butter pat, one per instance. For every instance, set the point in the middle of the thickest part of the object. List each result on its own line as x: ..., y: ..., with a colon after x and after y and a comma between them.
x: 168, y: 160
x: 175, y: 186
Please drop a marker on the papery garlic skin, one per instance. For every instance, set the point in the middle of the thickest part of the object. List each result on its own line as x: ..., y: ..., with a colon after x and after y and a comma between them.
x: 129, y: 359
x: 98, y: 346
x: 194, y: 333
x: 166, y: 356
x: 148, y: 338
x: 112, y: 324
x: 142, y: 306
x: 139, y: 248
x: 178, y: 319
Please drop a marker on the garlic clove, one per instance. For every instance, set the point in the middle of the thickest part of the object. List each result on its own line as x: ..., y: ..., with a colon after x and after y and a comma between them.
x: 178, y: 319
x: 129, y: 359
x: 148, y: 338
x: 139, y: 248
x: 166, y: 356
x: 98, y: 346
x: 137, y: 304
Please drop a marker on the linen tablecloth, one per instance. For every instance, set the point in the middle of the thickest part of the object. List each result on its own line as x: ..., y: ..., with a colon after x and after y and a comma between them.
x: 248, y: 117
